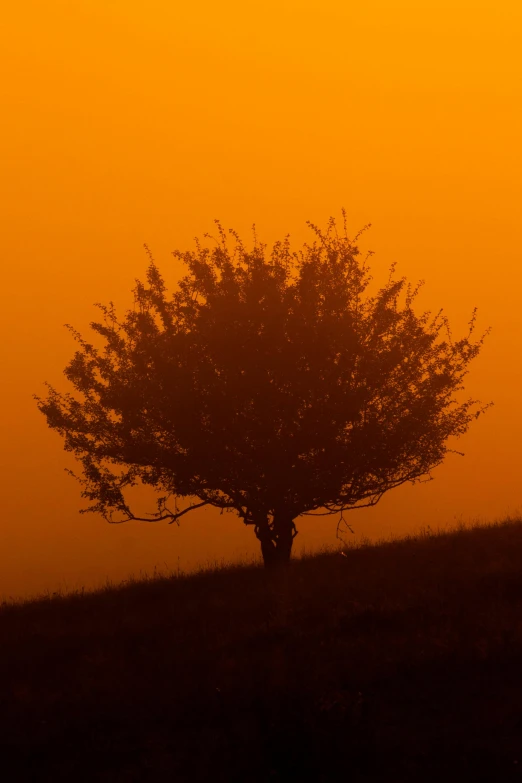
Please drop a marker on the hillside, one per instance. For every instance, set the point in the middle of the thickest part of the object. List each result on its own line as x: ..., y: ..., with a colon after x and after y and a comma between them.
x: 395, y: 662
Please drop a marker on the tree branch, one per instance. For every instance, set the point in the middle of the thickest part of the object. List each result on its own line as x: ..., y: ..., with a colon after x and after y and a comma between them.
x: 173, y: 517
x: 186, y: 510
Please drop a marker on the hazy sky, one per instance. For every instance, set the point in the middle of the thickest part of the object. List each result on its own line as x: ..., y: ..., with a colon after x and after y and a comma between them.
x: 132, y: 122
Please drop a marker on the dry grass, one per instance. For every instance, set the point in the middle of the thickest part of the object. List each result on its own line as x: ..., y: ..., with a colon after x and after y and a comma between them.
x: 395, y: 662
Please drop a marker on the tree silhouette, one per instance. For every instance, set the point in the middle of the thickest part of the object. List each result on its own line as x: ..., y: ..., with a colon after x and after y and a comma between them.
x: 268, y: 384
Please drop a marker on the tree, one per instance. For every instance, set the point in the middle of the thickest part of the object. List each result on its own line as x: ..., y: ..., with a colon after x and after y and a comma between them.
x: 268, y: 384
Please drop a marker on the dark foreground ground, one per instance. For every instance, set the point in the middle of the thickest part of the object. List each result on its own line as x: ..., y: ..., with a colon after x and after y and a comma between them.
x: 398, y: 662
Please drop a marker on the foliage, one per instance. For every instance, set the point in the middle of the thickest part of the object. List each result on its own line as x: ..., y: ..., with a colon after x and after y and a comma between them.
x: 269, y: 384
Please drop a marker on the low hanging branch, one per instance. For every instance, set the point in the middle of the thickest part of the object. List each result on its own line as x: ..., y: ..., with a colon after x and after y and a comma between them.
x: 170, y: 515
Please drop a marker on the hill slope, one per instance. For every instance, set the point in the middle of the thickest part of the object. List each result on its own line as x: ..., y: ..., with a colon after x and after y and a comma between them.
x: 395, y: 662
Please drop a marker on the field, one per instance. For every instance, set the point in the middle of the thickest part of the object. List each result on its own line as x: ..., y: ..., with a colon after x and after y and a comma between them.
x: 394, y: 662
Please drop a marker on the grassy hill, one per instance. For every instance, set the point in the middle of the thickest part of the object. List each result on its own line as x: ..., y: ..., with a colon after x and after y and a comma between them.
x: 395, y: 662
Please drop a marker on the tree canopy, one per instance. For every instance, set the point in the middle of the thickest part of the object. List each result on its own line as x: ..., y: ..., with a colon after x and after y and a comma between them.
x: 269, y: 383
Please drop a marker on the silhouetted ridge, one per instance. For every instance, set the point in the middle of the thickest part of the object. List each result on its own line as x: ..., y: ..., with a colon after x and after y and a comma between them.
x: 399, y: 661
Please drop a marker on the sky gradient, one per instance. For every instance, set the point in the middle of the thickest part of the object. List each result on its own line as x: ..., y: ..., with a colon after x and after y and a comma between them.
x: 132, y: 122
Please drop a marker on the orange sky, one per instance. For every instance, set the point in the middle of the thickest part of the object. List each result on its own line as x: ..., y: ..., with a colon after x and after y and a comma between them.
x: 131, y: 122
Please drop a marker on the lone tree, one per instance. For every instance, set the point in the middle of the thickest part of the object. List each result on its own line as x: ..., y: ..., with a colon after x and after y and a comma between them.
x: 268, y: 384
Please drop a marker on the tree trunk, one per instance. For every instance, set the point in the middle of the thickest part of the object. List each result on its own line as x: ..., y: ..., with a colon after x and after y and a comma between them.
x: 276, y: 539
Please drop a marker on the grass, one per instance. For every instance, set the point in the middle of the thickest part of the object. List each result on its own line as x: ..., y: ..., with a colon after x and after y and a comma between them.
x: 393, y: 662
